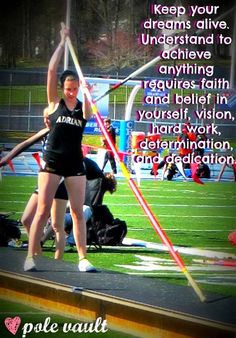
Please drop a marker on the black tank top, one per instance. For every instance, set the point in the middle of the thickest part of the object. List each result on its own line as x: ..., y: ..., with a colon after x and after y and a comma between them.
x: 65, y: 136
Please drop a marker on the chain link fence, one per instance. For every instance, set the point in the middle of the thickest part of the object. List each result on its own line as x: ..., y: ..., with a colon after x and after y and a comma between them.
x: 23, y: 98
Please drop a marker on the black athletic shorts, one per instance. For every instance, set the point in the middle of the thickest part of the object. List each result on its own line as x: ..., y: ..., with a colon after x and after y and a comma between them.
x: 63, y: 167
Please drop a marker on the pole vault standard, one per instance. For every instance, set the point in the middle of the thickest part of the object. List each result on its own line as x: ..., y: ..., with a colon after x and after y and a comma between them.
x: 131, y: 182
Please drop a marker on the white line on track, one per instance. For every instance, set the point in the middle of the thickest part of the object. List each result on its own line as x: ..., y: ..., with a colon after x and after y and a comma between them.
x: 142, y: 215
x: 184, y: 191
x: 13, y: 202
x: 189, y: 230
x: 164, y: 215
x: 174, y: 205
x: 161, y: 206
x: 222, y: 282
x: 13, y: 193
x: 178, y: 216
x: 141, y: 266
x: 217, y: 197
x: 173, y: 273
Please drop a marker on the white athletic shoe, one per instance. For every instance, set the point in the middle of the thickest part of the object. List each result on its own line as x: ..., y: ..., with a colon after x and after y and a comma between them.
x: 85, y: 266
x: 29, y: 264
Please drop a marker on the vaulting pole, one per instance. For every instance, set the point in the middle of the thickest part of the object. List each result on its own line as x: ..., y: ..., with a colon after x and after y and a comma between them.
x: 66, y: 53
x: 132, y: 183
x: 132, y: 75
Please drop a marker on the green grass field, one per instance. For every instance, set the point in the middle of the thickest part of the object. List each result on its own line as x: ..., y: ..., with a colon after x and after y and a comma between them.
x: 18, y: 95
x: 192, y: 215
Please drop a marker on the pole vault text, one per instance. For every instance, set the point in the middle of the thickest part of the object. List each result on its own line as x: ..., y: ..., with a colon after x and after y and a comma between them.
x: 190, y: 158
x: 178, y: 11
x: 98, y: 326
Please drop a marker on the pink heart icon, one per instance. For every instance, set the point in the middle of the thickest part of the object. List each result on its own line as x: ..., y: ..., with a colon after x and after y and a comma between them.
x: 12, y: 324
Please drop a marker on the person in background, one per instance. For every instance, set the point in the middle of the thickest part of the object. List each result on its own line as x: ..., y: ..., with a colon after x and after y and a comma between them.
x: 232, y: 237
x: 63, y: 157
x: 1, y: 151
x: 223, y: 169
x: 184, y: 136
x: 109, y: 156
x: 97, y: 185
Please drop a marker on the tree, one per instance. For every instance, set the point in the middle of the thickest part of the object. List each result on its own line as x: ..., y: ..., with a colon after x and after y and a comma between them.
x: 115, y: 44
x: 10, y: 32
x: 122, y: 51
x: 27, y: 24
